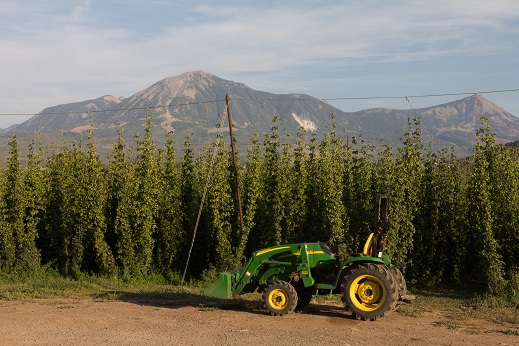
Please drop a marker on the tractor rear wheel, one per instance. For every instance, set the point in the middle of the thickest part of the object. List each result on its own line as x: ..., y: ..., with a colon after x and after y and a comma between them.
x: 400, y: 281
x: 279, y: 298
x: 369, y: 291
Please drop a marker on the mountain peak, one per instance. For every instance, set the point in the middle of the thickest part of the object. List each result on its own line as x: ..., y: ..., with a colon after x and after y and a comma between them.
x: 190, y: 76
x: 197, y: 74
x: 188, y: 84
x: 185, y: 85
x: 176, y: 105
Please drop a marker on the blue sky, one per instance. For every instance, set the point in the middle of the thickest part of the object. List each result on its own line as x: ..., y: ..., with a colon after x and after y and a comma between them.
x: 55, y: 52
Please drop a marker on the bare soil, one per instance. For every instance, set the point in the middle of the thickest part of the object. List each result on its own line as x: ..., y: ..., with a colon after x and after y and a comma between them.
x: 134, y: 322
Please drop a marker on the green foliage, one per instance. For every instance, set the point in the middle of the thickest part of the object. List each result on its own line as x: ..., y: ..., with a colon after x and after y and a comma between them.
x: 312, y: 228
x: 190, y: 197
x: 251, y: 196
x: 220, y: 207
x: 75, y: 222
x: 95, y: 222
x: 329, y: 179
x: 35, y: 189
x: 13, y: 235
x: 268, y: 224
x: 296, y: 206
x: 169, y: 235
x: 119, y: 179
x: 482, y: 215
x: 144, y: 205
x: 439, y: 245
x: 135, y: 217
x: 358, y: 192
x: 405, y: 192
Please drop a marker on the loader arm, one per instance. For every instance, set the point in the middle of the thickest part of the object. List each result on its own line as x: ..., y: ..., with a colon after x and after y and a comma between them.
x: 264, y: 257
x: 231, y: 284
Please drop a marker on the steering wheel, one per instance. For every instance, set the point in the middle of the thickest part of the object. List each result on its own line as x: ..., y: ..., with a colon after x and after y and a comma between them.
x: 338, y: 240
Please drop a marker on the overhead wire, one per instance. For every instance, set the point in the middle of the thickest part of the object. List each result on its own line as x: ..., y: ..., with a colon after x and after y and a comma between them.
x: 262, y: 103
x: 264, y: 100
x: 423, y: 96
x: 113, y: 109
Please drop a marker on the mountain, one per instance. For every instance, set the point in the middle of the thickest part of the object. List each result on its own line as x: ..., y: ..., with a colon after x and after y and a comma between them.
x: 454, y: 123
x: 195, y: 102
x: 70, y: 117
x: 192, y: 100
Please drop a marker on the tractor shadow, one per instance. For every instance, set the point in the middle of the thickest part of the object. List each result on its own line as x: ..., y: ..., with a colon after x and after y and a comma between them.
x: 328, y: 310
x: 164, y: 299
x: 248, y: 303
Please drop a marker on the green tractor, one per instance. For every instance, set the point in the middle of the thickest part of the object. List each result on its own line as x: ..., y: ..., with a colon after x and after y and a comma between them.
x: 290, y: 275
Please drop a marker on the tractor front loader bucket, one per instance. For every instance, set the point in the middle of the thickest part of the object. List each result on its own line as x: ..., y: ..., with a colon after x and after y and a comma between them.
x: 221, y: 288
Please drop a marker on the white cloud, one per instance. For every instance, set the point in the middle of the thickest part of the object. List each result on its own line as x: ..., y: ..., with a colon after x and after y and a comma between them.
x: 57, y: 53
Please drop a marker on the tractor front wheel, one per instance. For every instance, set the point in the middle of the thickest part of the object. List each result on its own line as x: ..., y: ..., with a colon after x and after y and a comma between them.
x: 369, y: 291
x: 279, y: 298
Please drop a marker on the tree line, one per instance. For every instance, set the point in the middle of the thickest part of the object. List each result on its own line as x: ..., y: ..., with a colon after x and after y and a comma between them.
x: 135, y: 215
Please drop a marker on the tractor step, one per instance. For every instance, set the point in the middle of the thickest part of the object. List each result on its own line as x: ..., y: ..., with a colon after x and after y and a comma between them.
x: 325, y: 293
x: 324, y: 287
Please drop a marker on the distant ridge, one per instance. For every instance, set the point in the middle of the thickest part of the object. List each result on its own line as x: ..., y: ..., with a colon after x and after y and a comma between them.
x: 192, y: 101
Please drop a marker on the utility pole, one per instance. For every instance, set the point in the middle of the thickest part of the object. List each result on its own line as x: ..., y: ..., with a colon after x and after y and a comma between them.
x: 234, y: 159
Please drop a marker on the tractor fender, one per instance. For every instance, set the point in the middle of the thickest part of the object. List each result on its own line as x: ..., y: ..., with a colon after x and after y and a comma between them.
x: 357, y: 259
x: 366, y: 258
x: 273, y: 274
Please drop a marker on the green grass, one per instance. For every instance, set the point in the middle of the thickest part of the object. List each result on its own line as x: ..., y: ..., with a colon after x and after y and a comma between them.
x: 52, y: 285
x: 438, y: 300
x: 459, y: 305
x: 495, y: 309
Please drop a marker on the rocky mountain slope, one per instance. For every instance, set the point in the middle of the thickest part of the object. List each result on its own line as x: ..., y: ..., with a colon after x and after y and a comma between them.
x: 195, y: 102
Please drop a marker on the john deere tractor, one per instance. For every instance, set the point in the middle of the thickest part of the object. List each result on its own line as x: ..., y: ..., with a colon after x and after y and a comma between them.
x: 290, y: 275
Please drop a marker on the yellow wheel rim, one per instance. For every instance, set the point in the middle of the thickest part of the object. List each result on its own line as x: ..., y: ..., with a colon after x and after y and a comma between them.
x: 278, y: 299
x: 367, y: 293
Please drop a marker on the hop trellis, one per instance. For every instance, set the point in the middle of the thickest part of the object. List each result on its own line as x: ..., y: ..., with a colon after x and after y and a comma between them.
x: 134, y: 215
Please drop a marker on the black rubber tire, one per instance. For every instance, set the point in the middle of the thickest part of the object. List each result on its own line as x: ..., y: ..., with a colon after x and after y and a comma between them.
x: 279, y: 298
x: 400, y: 281
x: 369, y: 291
x: 304, y: 294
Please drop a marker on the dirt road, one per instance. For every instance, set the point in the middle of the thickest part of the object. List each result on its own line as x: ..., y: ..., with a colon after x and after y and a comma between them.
x: 89, y: 322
